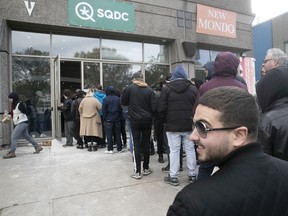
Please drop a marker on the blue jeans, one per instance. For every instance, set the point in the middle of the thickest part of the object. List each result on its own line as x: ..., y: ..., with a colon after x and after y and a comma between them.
x: 130, y: 136
x: 21, y: 130
x: 141, y: 132
x: 113, y: 129
x: 174, y: 141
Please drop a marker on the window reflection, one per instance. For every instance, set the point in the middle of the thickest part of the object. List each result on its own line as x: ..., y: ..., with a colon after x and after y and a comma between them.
x: 91, y: 74
x: 31, y: 79
x: 118, y: 75
x: 153, y: 72
x: 121, y: 50
x: 28, y: 43
x: 79, y: 47
x: 156, y: 53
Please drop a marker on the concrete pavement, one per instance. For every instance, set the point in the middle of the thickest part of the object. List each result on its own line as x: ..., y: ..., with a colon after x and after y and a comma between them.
x: 69, y: 181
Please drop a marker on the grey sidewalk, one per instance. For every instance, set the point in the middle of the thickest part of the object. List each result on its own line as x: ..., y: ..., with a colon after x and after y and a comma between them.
x: 69, y: 181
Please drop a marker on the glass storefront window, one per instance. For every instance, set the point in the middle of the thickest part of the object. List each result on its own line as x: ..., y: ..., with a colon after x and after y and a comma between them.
x: 121, y: 50
x: 154, y: 72
x: 31, y: 80
x: 28, y: 43
x: 156, y: 53
x: 75, y: 47
x: 91, y: 74
x: 118, y: 75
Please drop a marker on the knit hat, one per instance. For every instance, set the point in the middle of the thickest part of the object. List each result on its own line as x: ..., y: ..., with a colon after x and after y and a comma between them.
x: 179, y: 73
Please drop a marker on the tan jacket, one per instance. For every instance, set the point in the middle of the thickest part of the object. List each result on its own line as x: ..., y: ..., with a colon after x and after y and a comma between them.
x: 90, y: 120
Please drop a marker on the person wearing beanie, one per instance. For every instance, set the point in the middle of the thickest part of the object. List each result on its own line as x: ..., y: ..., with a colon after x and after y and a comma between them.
x: 225, y: 72
x: 175, y: 105
x: 20, y: 120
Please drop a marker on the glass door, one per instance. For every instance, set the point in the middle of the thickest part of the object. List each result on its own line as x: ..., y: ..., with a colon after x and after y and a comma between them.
x: 57, y: 99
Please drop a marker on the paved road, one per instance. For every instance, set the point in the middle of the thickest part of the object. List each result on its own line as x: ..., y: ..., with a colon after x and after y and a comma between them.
x: 69, y: 181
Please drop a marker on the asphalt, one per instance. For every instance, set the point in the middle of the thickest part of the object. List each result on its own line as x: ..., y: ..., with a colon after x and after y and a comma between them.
x: 68, y: 181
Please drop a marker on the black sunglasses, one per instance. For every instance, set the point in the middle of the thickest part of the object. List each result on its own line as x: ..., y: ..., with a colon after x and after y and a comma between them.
x: 202, y: 129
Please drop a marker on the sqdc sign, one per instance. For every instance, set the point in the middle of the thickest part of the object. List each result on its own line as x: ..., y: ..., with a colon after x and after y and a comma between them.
x: 102, y: 14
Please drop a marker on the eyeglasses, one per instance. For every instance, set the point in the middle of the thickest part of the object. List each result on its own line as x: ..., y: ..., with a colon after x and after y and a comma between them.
x: 266, y: 60
x: 202, y: 129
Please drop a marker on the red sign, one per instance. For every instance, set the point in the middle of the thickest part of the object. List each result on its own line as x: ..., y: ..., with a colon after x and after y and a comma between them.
x: 214, y: 21
x: 247, y: 66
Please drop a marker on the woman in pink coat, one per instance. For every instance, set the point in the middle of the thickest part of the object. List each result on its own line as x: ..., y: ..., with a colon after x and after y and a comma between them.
x: 90, y: 120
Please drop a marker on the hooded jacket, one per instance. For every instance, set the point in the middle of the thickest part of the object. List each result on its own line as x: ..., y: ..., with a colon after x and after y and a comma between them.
x: 111, y: 107
x: 100, y: 95
x: 272, y: 95
x: 176, y: 102
x: 210, y: 68
x: 225, y: 65
x: 141, y: 101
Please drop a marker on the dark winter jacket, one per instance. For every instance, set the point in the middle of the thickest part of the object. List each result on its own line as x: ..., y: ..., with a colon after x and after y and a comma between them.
x: 272, y: 95
x: 176, y: 102
x: 249, y: 183
x: 111, y: 107
x: 74, y: 108
x: 66, y: 109
x: 141, y: 101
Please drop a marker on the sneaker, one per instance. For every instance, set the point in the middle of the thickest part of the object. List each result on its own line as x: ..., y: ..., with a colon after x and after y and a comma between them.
x: 170, y: 180
x: 121, y: 151
x: 192, y: 178
x: 9, y: 155
x: 136, y: 176
x: 147, y: 172
x: 109, y: 152
x: 38, y: 149
x: 166, y: 169
x: 42, y: 135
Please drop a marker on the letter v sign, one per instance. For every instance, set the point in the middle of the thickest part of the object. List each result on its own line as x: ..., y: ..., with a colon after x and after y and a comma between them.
x: 29, y: 5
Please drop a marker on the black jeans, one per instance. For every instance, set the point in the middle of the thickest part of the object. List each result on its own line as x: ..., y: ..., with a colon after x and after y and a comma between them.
x: 113, y: 129
x: 141, y: 132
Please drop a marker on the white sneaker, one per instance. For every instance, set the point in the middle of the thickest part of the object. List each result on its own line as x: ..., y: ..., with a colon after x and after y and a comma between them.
x: 109, y: 152
x: 42, y: 135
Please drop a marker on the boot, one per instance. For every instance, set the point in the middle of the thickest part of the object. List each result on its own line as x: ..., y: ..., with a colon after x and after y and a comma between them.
x: 38, y: 149
x: 160, y: 159
x: 90, y: 147
x: 80, y: 146
x: 94, y: 148
x: 86, y: 145
x: 9, y: 155
x: 167, y: 168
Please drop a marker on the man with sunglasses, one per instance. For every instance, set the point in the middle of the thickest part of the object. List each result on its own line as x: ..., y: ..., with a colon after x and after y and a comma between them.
x: 226, y: 70
x: 248, y: 182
